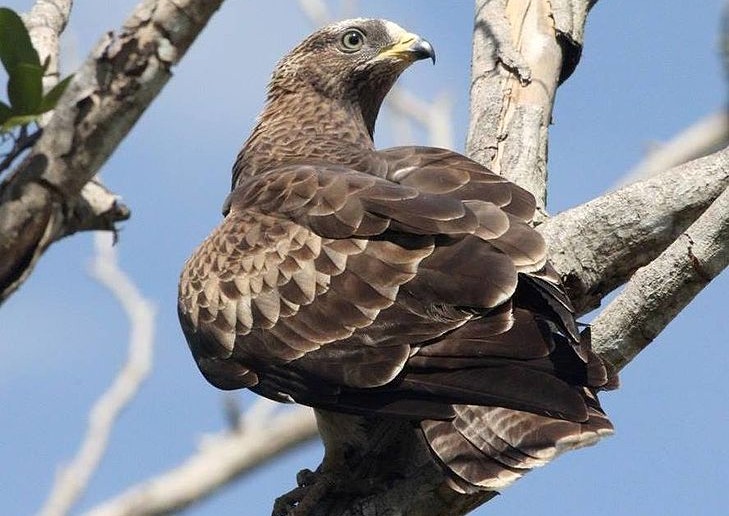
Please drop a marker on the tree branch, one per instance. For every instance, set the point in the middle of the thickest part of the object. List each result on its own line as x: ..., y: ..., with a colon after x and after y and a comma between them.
x: 434, y: 116
x: 704, y: 137
x: 45, y: 22
x: 660, y: 290
x: 221, y: 459
x: 73, y: 479
x: 96, y: 208
x: 598, y: 245
x: 108, y: 94
x: 521, y: 50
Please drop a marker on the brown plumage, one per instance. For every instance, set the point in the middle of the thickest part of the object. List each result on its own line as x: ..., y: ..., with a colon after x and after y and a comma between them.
x: 405, y: 282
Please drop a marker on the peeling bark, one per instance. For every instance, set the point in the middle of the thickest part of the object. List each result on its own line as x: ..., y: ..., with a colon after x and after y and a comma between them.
x: 45, y: 22
x: 521, y: 51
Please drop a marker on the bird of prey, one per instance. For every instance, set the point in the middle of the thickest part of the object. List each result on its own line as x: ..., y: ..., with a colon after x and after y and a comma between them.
x: 405, y: 283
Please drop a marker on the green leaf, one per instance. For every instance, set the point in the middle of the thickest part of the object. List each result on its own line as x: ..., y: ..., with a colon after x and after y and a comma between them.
x: 25, y: 88
x: 5, y: 112
x: 15, y: 45
x: 51, y: 98
x: 17, y: 121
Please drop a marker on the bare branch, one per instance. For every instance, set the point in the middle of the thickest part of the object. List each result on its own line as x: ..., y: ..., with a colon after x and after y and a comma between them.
x: 73, y: 479
x: 435, y: 116
x: 708, y: 135
x: 660, y: 290
x: 106, y: 97
x: 96, y: 208
x: 598, y: 245
x: 221, y: 459
x: 316, y: 11
x: 46, y: 21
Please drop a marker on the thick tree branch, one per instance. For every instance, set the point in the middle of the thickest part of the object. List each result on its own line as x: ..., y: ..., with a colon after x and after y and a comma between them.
x: 108, y: 94
x: 73, y: 479
x: 598, y: 245
x: 97, y: 207
x: 221, y: 459
x: 660, y: 290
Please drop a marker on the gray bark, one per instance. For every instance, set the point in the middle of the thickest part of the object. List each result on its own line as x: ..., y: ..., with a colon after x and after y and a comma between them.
x: 659, y: 291
x: 597, y: 246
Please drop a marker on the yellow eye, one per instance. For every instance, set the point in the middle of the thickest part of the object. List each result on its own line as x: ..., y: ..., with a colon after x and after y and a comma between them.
x: 352, y: 40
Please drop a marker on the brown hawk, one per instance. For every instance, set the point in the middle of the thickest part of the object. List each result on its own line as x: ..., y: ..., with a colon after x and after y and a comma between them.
x: 405, y: 282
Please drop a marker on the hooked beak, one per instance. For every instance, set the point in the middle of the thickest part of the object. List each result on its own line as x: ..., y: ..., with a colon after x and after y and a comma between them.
x: 409, y: 47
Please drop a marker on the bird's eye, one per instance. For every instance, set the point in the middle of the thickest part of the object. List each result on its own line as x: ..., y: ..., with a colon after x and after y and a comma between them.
x: 352, y: 40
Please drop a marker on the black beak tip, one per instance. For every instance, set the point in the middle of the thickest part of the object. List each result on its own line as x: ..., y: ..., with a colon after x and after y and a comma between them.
x: 423, y: 49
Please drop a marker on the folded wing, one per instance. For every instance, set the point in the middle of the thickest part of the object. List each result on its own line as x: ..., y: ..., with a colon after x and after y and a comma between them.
x: 422, y: 294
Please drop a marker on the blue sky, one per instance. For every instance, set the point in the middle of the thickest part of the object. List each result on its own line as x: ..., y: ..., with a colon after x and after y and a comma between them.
x: 649, y: 69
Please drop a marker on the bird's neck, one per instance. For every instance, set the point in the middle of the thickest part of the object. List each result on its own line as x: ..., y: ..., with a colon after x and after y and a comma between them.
x: 296, y: 126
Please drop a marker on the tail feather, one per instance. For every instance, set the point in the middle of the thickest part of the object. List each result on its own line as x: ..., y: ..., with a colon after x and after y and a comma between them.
x: 491, y: 447
x: 470, y: 469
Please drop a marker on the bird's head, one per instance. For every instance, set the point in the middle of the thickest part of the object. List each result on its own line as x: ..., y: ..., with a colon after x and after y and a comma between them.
x: 353, y: 61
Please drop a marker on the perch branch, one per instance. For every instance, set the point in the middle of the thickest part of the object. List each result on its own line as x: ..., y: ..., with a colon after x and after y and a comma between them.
x: 73, y: 479
x: 97, y: 207
x: 517, y: 63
